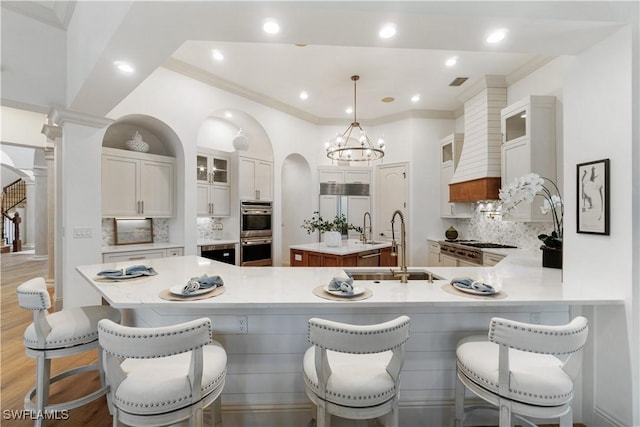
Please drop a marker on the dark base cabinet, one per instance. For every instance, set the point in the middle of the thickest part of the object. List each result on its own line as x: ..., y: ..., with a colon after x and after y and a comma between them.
x: 301, y: 258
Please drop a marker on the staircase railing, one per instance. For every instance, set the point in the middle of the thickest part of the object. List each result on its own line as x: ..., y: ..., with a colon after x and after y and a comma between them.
x: 12, y: 195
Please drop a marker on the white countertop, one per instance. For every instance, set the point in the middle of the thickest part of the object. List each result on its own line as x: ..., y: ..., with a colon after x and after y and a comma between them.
x: 140, y: 247
x: 350, y: 246
x: 520, y: 275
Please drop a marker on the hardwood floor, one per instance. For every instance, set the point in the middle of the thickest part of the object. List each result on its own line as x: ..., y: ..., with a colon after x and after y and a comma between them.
x: 18, y: 370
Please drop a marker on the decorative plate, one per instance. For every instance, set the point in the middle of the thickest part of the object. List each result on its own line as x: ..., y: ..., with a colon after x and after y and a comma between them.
x: 473, y: 291
x: 177, y: 290
x: 356, y: 291
x: 121, y: 277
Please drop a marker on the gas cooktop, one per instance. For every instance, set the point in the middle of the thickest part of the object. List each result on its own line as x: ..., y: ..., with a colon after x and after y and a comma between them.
x: 480, y: 245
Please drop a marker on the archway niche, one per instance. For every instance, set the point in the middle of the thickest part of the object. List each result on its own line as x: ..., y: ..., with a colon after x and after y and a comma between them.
x: 297, y: 203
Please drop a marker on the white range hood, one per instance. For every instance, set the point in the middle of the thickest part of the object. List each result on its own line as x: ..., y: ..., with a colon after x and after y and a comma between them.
x: 477, y: 176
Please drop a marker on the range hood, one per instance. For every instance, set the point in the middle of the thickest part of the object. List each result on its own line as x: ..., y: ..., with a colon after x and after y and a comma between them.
x: 477, y: 175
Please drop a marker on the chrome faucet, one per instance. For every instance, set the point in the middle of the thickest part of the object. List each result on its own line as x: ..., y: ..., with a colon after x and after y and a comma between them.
x: 403, y: 273
x: 363, y: 236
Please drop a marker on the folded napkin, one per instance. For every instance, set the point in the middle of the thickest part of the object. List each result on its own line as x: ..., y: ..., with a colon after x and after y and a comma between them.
x: 475, y: 285
x: 343, y: 284
x: 202, y: 282
x: 134, y: 271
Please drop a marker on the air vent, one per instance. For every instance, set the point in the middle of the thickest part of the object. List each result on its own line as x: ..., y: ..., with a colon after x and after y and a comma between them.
x: 458, y: 81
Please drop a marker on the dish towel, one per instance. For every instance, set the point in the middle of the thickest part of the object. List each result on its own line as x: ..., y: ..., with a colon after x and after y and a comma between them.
x: 202, y: 282
x: 343, y: 284
x: 475, y: 285
x: 133, y: 271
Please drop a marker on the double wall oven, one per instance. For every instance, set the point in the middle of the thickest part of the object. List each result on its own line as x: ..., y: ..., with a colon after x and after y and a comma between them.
x: 256, y: 234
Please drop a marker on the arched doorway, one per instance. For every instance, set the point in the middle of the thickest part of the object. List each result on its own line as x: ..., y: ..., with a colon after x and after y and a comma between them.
x: 297, y: 191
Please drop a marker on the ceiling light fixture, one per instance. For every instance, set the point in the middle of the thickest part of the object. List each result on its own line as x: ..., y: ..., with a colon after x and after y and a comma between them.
x: 387, y: 31
x: 271, y: 27
x: 360, y: 150
x: 124, y: 67
x: 415, y: 98
x: 217, y: 55
x: 304, y: 95
x: 497, y: 36
x: 451, y: 61
x: 240, y: 141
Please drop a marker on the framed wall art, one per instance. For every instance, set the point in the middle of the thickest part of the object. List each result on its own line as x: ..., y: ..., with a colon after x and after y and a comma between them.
x: 132, y: 231
x: 593, y: 197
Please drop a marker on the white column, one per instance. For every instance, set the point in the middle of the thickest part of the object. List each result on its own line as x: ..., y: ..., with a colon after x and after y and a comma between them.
x: 27, y: 227
x: 38, y: 212
x: 53, y: 134
x: 78, y: 202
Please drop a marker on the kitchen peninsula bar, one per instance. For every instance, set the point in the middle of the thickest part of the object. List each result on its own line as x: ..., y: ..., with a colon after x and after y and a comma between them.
x: 261, y: 320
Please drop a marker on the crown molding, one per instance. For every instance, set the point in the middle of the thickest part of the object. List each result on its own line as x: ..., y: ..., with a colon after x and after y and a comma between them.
x: 529, y: 67
x: 59, y: 116
x: 203, y: 76
x: 484, y: 82
x: 51, y: 132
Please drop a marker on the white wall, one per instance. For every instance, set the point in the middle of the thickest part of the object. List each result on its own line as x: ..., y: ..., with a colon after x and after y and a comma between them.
x: 598, y: 125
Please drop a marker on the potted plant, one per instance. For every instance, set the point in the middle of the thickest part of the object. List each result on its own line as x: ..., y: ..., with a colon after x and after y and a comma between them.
x: 524, y: 189
x: 332, y: 229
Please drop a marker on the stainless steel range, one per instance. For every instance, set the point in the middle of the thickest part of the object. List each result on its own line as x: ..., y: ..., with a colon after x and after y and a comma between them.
x: 468, y: 251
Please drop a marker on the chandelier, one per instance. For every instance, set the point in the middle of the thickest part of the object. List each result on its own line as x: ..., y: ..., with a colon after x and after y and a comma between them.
x: 361, y: 150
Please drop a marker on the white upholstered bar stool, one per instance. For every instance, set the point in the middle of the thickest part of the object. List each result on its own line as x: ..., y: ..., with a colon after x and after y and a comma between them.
x: 517, y: 370
x: 60, y: 334
x: 353, y: 371
x: 160, y: 376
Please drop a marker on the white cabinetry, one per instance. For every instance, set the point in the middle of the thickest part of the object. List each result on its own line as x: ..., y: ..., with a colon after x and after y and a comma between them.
x: 137, y: 184
x: 489, y: 259
x: 141, y: 254
x: 344, y: 175
x: 433, y: 254
x: 213, y: 191
x: 254, y: 178
x: 450, y: 149
x: 529, y: 145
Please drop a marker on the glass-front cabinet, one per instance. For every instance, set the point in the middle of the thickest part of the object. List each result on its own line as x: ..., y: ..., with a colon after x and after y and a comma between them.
x: 212, y: 169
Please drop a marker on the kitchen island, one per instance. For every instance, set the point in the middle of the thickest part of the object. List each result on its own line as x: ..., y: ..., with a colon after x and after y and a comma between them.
x: 261, y: 320
x: 351, y: 253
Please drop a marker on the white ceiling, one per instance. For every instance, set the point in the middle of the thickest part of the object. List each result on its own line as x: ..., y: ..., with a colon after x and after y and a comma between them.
x: 341, y: 39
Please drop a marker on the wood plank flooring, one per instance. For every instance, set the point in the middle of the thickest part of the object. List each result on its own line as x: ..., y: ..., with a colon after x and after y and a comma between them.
x: 17, y: 371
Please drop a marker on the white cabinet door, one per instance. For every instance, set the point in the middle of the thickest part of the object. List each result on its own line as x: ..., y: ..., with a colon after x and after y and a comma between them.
x: 433, y: 254
x: 137, y: 185
x: 220, y: 199
x: 357, y: 177
x: 263, y: 180
x: 331, y: 176
x: 156, y: 188
x: 120, y: 177
x: 247, y: 179
x: 255, y: 178
x: 446, y: 172
x: 203, y: 200
x: 358, y: 205
x: 448, y: 261
x: 328, y: 207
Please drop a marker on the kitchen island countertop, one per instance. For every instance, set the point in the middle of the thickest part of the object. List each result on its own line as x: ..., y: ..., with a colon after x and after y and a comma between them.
x: 520, y: 276
x: 351, y: 246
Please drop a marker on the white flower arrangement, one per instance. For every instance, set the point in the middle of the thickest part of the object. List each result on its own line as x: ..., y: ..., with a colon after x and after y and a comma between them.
x: 524, y: 189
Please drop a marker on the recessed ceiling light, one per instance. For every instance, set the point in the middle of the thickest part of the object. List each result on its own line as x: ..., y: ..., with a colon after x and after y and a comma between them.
x: 497, y: 36
x: 388, y: 99
x: 125, y: 67
x: 270, y: 26
x: 228, y: 115
x: 387, y: 31
x: 415, y: 98
x: 304, y: 95
x: 451, y: 61
x: 349, y: 110
x: 217, y: 55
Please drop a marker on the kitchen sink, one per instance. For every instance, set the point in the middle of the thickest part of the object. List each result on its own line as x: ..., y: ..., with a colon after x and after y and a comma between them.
x: 385, y: 275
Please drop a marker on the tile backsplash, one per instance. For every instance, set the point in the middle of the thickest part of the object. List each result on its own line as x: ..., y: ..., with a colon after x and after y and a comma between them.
x: 160, y: 231
x: 496, y: 230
